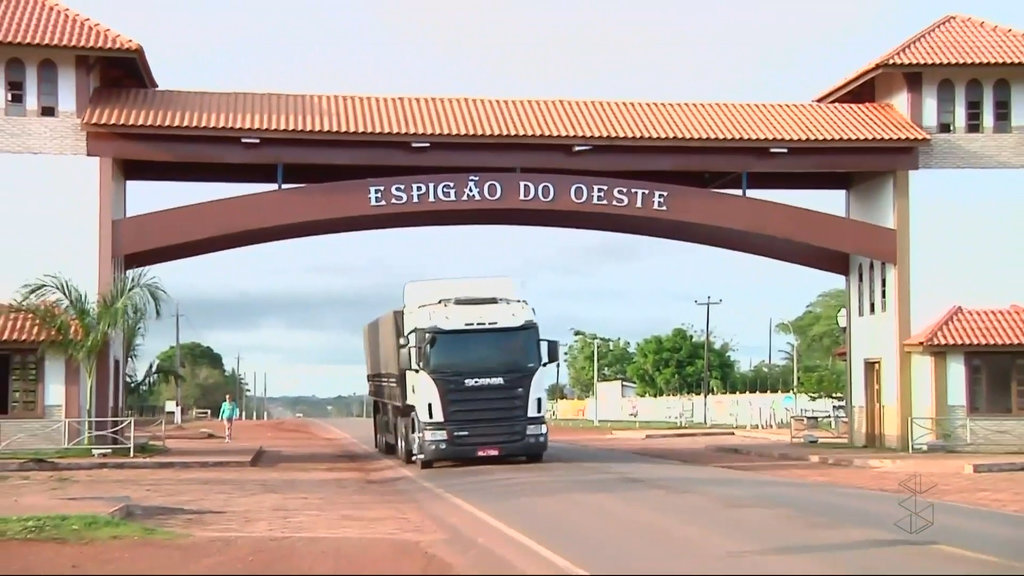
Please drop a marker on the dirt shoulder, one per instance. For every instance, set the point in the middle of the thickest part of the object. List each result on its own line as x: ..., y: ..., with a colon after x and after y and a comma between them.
x: 314, y: 505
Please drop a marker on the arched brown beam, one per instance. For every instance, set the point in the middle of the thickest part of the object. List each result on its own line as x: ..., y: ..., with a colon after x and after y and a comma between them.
x: 770, y: 229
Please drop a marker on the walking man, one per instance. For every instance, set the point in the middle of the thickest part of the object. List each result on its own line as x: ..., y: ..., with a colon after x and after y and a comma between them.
x: 228, y: 413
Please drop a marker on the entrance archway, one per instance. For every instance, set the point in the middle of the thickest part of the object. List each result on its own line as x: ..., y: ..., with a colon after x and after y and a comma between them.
x: 770, y: 229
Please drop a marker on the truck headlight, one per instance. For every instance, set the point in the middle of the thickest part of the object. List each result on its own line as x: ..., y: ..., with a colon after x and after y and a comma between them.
x: 536, y: 429
x: 435, y: 435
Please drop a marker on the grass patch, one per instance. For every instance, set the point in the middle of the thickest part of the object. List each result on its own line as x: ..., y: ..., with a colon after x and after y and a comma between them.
x: 75, y: 528
x: 81, y: 452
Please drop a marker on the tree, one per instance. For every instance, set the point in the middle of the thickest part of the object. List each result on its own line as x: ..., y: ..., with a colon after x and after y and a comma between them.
x: 817, y: 337
x: 614, y: 355
x: 556, y: 391
x: 673, y: 364
x: 203, y: 379
x: 79, y: 325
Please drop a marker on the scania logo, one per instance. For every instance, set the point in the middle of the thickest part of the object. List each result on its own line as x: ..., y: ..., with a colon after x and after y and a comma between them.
x: 484, y: 381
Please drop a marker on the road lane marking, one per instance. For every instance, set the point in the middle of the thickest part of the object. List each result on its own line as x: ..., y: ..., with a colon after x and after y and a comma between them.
x: 977, y: 555
x: 505, y: 529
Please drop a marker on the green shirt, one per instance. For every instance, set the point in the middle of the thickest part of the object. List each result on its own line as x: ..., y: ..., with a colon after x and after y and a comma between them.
x: 228, y: 410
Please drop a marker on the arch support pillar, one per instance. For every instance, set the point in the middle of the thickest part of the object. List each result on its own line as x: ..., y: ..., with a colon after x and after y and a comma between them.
x: 108, y: 393
x: 878, y: 368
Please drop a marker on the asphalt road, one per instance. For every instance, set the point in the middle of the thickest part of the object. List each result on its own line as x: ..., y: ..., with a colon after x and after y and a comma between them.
x: 611, y: 512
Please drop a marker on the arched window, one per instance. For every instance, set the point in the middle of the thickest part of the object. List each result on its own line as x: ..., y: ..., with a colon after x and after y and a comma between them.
x: 1001, y: 107
x: 871, y: 287
x: 974, y: 95
x: 47, y: 93
x: 14, y: 87
x: 860, y: 289
x: 946, y: 107
x: 883, y: 285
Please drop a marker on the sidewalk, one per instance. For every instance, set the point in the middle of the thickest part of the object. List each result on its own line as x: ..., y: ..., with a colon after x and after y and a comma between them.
x: 185, y: 450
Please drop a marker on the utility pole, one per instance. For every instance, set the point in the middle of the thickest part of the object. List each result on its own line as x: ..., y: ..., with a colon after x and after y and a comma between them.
x: 264, y: 395
x: 177, y: 365
x: 707, y: 304
x: 771, y: 329
x: 238, y: 376
x: 595, y: 382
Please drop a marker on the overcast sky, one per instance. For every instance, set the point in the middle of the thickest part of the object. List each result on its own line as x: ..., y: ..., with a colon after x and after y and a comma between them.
x: 295, y: 309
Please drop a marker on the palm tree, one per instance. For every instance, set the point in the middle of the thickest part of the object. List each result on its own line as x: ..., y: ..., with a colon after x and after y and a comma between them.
x: 80, y: 325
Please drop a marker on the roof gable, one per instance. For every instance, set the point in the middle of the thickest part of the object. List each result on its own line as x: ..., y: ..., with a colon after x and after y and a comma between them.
x: 971, y: 327
x: 51, y: 24
x: 953, y: 40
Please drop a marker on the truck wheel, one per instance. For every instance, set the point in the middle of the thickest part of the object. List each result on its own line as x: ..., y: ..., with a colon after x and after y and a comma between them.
x: 426, y: 464
x: 378, y: 435
x: 535, y: 458
x: 390, y: 448
x: 404, y: 451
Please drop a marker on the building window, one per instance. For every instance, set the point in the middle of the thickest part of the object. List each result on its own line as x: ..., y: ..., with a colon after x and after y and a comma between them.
x: 19, y: 384
x: 995, y: 383
x: 946, y: 107
x: 860, y: 289
x: 1001, y: 107
x: 47, y: 77
x: 871, y: 287
x: 882, y: 284
x: 14, y: 86
x: 974, y: 94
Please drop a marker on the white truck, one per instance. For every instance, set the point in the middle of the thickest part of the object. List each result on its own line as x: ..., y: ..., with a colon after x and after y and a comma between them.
x: 456, y: 373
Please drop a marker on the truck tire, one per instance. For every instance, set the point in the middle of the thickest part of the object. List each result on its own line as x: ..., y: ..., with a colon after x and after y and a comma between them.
x: 378, y: 435
x: 425, y: 464
x: 535, y: 458
x: 404, y: 450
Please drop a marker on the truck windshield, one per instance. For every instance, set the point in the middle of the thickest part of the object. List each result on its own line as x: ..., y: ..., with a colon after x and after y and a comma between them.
x: 475, y: 351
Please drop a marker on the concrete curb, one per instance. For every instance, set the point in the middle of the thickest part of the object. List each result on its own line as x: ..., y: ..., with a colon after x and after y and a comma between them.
x: 815, y: 458
x: 670, y: 434
x: 969, y: 468
x: 990, y: 467
x: 39, y: 465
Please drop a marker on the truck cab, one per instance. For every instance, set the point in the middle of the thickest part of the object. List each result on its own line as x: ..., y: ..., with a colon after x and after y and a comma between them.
x: 469, y: 358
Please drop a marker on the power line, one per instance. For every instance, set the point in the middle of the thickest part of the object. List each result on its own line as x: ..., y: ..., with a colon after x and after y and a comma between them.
x: 707, y: 304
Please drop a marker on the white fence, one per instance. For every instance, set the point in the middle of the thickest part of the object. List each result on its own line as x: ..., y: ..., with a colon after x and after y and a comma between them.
x: 55, y: 434
x: 755, y: 410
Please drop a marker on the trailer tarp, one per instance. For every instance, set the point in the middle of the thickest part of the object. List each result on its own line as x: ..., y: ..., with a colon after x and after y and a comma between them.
x: 380, y: 344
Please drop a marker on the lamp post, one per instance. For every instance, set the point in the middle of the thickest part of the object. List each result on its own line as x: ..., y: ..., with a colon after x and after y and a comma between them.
x: 796, y: 362
x: 595, y: 382
x: 843, y: 321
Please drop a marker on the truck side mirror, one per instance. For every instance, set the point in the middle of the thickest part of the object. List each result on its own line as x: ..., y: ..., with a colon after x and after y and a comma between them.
x: 404, y: 358
x: 552, y: 351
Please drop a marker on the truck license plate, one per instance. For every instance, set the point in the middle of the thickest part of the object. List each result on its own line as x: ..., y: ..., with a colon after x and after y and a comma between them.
x: 487, y: 452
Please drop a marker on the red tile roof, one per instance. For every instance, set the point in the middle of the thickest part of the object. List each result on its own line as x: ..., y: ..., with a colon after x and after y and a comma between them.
x: 19, y: 328
x: 961, y: 327
x: 49, y: 23
x: 954, y: 40
x: 498, y: 118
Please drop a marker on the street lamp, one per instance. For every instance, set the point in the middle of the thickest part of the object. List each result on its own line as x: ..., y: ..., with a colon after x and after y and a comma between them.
x: 842, y: 317
x: 796, y: 361
x: 595, y: 382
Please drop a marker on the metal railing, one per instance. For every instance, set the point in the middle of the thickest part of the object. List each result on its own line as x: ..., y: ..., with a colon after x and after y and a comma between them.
x: 972, y: 432
x: 53, y: 434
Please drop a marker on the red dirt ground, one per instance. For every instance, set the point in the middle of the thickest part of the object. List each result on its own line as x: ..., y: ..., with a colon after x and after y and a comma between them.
x: 314, y: 505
